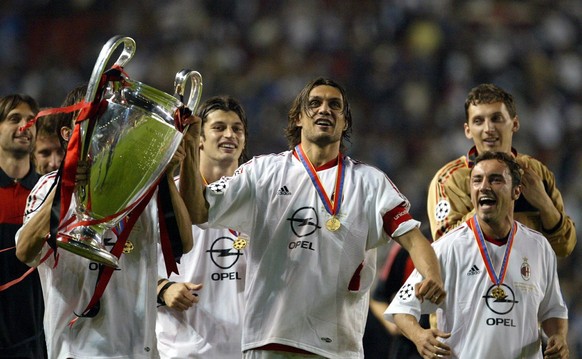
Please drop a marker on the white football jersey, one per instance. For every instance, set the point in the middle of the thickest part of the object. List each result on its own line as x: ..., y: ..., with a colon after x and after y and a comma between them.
x: 307, y: 286
x: 212, y: 328
x: 481, y: 325
x: 124, y: 327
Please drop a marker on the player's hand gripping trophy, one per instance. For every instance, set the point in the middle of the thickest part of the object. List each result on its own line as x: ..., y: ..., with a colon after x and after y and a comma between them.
x: 126, y: 142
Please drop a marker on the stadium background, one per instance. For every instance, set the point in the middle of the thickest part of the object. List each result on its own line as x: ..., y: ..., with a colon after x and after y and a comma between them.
x: 407, y: 66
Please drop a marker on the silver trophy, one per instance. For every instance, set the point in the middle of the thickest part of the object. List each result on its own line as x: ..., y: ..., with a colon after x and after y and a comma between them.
x: 126, y: 151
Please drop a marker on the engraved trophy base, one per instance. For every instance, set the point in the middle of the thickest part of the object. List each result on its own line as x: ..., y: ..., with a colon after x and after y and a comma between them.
x: 85, y: 242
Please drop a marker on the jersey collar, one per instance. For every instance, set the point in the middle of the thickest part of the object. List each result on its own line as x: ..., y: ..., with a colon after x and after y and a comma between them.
x: 27, y: 182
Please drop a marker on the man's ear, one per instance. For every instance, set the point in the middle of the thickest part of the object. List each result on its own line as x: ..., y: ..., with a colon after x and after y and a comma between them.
x: 516, y: 192
x: 515, y: 127
x: 468, y: 133
x: 298, y: 120
x: 66, y: 133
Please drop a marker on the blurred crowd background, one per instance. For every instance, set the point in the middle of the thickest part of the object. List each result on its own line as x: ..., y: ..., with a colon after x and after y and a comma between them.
x: 407, y: 66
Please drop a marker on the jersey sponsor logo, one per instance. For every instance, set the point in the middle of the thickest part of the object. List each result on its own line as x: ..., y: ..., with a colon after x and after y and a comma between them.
x: 219, y: 186
x: 406, y: 293
x: 525, y: 269
x: 500, y: 305
x: 225, y: 276
x: 442, y: 210
x: 301, y: 244
x: 505, y: 322
x: 222, y: 254
x: 474, y: 270
x: 283, y: 191
x: 108, y: 243
x: 304, y: 222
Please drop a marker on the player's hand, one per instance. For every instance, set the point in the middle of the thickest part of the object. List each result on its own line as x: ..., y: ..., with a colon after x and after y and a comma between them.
x: 430, y: 289
x: 532, y: 186
x: 557, y: 348
x: 181, y: 296
x: 194, y: 124
x: 428, y: 345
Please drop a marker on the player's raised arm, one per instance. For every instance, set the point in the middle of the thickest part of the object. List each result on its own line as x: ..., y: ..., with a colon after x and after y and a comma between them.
x: 191, y: 183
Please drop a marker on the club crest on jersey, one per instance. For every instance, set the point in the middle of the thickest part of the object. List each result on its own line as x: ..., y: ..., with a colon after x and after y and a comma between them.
x: 219, y: 186
x: 525, y: 269
x: 406, y: 293
x: 442, y: 210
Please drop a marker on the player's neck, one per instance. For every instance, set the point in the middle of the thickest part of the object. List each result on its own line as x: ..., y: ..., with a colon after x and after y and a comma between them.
x: 320, y: 155
x: 14, y: 167
x: 214, y: 171
x: 496, y: 231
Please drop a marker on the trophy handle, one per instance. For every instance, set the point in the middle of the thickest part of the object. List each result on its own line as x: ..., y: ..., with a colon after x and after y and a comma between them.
x: 103, y: 59
x: 195, y: 91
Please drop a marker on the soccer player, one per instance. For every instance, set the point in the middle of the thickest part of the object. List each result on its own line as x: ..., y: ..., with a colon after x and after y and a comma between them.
x: 491, y: 121
x: 314, y: 217
x: 122, y: 324
x: 500, y: 277
x: 207, y: 323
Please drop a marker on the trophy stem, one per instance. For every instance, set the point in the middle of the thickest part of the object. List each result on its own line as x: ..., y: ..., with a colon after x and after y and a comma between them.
x: 86, y: 242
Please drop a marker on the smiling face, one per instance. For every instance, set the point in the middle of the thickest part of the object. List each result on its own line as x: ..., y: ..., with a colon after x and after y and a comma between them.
x: 491, y: 127
x: 493, y: 193
x: 48, y: 153
x: 323, y: 121
x: 223, y: 137
x: 12, y: 140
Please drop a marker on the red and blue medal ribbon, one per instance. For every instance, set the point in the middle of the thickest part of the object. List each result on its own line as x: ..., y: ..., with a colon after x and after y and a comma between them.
x: 332, y: 208
x: 480, y: 238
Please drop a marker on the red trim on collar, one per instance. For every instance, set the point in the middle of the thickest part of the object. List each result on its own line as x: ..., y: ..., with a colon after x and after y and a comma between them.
x: 324, y: 166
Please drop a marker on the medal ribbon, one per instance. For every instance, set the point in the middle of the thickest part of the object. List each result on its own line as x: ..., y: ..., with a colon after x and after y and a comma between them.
x: 332, y: 208
x: 496, y: 279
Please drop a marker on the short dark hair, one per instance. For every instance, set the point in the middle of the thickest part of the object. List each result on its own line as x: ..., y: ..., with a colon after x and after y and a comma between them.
x: 47, y: 126
x: 10, y: 102
x: 225, y: 103
x: 489, y: 93
x: 68, y: 119
x: 515, y: 169
x: 293, y: 133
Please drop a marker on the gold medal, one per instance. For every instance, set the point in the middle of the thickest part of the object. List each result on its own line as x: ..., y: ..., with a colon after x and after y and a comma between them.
x: 241, y: 242
x: 128, y: 247
x: 498, y: 293
x: 333, y: 224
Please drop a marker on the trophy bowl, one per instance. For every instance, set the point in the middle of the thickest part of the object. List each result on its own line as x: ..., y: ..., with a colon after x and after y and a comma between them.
x: 126, y: 150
